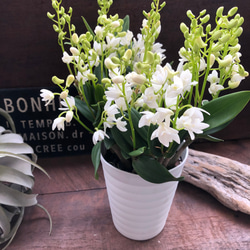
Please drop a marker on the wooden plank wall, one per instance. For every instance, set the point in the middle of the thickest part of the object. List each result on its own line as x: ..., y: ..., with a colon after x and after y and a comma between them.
x: 30, y: 56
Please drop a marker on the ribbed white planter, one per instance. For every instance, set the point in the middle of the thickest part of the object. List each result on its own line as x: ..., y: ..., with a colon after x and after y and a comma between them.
x: 139, y: 208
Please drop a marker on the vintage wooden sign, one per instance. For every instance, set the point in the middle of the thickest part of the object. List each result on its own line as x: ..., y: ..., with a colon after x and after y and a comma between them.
x: 34, y: 122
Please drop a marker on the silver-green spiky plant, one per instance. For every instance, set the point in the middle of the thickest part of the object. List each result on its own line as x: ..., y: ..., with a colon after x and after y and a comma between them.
x: 17, y: 161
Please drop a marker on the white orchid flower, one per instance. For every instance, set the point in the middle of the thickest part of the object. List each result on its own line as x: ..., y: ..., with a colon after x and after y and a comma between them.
x: 135, y: 79
x: 186, y: 77
x: 150, y: 98
x: 47, y: 96
x: 69, y: 116
x: 126, y: 40
x: 191, y: 121
x: 213, y: 77
x: 160, y: 75
x: 146, y: 119
x: 121, y: 125
x: 214, y: 88
x: 99, y: 31
x: 99, y: 136
x: 68, y: 103
x: 165, y: 134
x: 67, y: 58
x: 58, y: 123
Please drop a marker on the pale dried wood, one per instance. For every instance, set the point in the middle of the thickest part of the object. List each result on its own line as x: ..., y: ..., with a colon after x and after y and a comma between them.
x: 225, y: 179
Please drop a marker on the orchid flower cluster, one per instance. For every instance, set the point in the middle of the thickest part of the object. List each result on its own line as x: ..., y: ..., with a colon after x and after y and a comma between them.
x: 139, y: 105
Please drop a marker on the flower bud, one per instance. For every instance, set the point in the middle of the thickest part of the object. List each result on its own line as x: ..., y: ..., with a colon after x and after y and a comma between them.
x: 91, y: 76
x: 115, y: 60
x: 217, y: 47
x: 109, y: 64
x: 212, y: 60
x: 219, y: 11
x: 57, y: 80
x: 183, y: 52
x: 50, y: 16
x: 73, y: 28
x: 225, y: 38
x: 233, y: 23
x: 232, y: 11
x: 122, y: 34
x: 128, y: 54
x: 225, y: 62
x: 106, y: 81
x: 242, y: 71
x: 240, y: 21
x: 183, y: 28
x: 203, y: 12
x: 235, y: 49
x: 55, y: 27
x: 62, y: 21
x: 115, y: 24
x: 233, y: 85
x: 200, y: 42
x: 208, y: 28
x: 74, y: 51
x: 64, y: 94
x: 143, y: 88
x: 61, y: 35
x: 216, y: 35
x: 238, y: 32
x: 70, y: 79
x: 118, y: 79
x: 205, y: 19
x: 75, y: 38
x: 69, y: 116
x: 190, y: 14
x: 142, y: 67
x: 149, y: 57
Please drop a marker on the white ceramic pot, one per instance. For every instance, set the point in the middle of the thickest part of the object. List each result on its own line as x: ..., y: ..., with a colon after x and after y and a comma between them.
x: 139, y: 208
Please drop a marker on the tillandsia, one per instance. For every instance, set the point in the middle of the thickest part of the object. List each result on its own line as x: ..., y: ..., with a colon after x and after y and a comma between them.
x: 140, y: 107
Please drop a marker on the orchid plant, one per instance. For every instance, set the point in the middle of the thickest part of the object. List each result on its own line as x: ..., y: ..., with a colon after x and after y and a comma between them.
x: 142, y: 109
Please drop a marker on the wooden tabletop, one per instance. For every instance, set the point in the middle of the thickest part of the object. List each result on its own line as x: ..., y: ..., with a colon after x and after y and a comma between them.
x: 81, y: 216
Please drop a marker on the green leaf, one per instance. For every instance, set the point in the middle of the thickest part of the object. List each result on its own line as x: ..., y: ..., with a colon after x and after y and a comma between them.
x: 99, y: 93
x: 137, y: 152
x: 122, y: 139
x: 209, y: 138
x: 89, y: 92
x: 143, y: 131
x: 98, y: 73
x: 88, y: 27
x: 83, y: 108
x: 126, y: 23
x: 224, y: 109
x: 99, y: 109
x: 151, y: 170
x: 95, y: 156
x: 154, y: 145
x: 215, y: 129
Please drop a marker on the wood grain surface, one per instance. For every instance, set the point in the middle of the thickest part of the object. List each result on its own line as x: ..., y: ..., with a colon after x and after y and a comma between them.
x: 82, y: 220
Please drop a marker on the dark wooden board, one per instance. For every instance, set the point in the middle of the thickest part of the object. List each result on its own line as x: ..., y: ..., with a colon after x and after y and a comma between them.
x: 81, y: 216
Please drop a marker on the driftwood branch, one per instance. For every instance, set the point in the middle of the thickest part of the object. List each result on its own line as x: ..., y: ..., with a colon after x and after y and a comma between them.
x: 227, y: 180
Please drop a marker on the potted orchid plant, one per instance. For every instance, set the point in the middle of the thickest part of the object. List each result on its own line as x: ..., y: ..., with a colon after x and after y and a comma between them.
x: 142, y: 111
